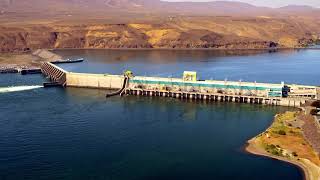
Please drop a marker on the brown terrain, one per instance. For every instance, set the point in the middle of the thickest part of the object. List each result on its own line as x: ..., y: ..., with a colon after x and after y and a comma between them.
x: 293, y: 137
x: 311, y: 131
x: 32, y: 24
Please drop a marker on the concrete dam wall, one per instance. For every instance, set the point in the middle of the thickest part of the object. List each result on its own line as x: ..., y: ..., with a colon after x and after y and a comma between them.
x: 100, y: 81
x: 83, y: 80
x: 228, y: 91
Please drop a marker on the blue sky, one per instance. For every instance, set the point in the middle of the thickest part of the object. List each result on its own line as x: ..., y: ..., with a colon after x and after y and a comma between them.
x: 272, y: 3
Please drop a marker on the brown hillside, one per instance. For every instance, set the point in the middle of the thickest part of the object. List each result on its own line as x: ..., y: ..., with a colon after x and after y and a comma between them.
x: 32, y: 24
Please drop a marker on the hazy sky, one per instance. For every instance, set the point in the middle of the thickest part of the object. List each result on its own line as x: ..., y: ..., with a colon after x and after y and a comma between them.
x: 272, y: 3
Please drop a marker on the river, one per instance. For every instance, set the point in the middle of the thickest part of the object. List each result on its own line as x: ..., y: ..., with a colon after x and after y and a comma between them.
x: 78, y: 134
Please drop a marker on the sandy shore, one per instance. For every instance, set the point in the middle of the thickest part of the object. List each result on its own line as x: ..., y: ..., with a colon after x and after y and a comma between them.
x: 27, y: 59
x: 17, y: 60
x: 310, y: 170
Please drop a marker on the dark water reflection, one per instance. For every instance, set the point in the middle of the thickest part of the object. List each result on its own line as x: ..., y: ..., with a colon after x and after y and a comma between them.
x: 78, y: 134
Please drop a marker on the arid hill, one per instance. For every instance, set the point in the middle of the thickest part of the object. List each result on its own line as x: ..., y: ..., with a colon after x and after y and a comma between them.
x: 50, y: 7
x: 32, y: 24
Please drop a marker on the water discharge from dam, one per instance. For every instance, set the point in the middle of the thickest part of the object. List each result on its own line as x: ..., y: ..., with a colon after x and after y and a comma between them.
x: 18, y: 88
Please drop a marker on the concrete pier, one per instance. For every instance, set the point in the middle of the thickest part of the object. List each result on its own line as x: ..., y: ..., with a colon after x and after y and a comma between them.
x: 31, y: 71
x: 218, y: 97
x: 23, y: 70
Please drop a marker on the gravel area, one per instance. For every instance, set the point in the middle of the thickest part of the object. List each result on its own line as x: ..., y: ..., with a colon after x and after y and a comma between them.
x: 311, y: 130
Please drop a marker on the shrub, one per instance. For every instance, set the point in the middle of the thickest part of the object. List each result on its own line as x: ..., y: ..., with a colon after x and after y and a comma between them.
x: 282, y: 132
x: 313, y: 112
x: 294, y: 154
x: 275, y: 152
x: 271, y: 146
x: 292, y: 132
x: 316, y: 104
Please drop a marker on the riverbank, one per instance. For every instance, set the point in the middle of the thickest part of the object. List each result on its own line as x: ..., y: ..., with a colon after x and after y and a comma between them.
x: 285, y: 140
x: 265, y: 49
x: 34, y: 59
x: 19, y: 60
x: 10, y: 62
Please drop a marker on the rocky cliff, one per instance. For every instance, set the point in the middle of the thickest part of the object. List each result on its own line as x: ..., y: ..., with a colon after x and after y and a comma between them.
x: 32, y: 24
x: 174, y: 32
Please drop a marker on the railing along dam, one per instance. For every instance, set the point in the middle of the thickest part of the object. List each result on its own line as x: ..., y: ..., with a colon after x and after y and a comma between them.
x: 208, y: 90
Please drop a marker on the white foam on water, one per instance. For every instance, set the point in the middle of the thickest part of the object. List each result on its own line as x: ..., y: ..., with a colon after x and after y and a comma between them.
x: 18, y: 88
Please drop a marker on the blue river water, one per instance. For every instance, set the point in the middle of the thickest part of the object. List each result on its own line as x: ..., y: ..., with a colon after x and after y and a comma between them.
x: 290, y: 66
x: 78, y: 134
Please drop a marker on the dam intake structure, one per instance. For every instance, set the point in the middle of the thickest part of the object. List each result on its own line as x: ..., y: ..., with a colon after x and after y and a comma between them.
x: 120, y: 91
x: 187, y: 87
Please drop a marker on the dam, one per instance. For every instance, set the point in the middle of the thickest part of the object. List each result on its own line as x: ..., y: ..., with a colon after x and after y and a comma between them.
x: 188, y: 87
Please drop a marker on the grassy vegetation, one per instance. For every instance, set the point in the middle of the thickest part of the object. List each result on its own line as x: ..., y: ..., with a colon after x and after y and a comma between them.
x: 274, y: 150
x: 285, y: 139
x: 283, y: 124
x: 313, y: 111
